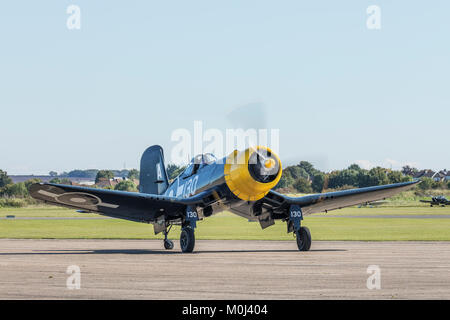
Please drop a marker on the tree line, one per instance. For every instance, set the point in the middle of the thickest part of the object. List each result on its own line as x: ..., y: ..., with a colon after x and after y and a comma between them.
x: 88, y: 173
x: 302, y: 178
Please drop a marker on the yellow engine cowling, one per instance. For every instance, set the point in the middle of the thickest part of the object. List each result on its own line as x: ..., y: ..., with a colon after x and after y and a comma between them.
x: 252, y: 173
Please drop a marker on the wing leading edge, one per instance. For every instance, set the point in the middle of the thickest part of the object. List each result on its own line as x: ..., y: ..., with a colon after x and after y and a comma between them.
x: 335, y: 200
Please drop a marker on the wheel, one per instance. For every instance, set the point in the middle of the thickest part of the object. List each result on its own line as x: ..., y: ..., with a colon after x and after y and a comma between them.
x: 303, y: 239
x: 187, y: 239
x: 168, y: 244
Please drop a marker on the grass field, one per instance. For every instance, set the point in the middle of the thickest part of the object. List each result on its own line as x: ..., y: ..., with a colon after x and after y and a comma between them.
x: 229, y: 226
x: 388, y: 211
x: 52, y: 211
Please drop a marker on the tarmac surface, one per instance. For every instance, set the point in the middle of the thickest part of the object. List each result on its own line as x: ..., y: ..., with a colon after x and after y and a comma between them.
x: 223, y: 269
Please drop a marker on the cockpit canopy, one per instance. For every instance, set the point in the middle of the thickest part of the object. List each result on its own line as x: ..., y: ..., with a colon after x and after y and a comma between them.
x: 197, y: 162
x: 206, y: 158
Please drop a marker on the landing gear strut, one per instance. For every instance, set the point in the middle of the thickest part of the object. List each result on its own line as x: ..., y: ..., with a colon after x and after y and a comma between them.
x: 168, y: 244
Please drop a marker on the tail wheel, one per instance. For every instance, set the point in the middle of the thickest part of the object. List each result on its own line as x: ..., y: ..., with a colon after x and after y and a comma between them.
x: 168, y: 244
x: 303, y: 239
x: 187, y: 239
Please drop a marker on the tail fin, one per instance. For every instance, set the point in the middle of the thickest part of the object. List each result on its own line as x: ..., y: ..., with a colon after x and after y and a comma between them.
x: 153, y: 177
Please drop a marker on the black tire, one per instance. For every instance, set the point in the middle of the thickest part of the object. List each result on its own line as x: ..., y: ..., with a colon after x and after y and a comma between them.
x: 168, y: 244
x: 187, y: 239
x: 303, y: 239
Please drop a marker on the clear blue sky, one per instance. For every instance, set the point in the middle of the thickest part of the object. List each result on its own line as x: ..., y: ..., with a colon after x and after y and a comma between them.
x: 137, y: 70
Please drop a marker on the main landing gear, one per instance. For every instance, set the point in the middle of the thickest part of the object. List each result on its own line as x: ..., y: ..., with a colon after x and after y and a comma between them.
x: 302, y: 234
x: 303, y: 239
x: 187, y: 236
x: 187, y: 239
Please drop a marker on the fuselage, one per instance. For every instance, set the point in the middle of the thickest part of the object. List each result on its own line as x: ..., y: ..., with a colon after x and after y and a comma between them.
x: 234, y: 179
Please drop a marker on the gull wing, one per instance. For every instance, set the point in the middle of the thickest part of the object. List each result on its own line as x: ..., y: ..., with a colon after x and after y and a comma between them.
x: 336, y: 200
x: 133, y: 206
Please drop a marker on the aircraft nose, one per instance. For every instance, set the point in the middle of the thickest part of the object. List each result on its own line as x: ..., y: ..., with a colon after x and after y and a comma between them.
x: 250, y: 174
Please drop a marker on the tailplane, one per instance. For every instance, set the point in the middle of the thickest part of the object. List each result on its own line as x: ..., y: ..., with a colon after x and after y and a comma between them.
x: 153, y: 177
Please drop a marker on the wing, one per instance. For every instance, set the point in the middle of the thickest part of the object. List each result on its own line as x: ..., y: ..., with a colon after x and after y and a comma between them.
x: 133, y: 206
x: 334, y: 200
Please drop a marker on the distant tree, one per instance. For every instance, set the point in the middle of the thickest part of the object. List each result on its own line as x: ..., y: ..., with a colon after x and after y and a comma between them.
x: 379, y: 176
x: 426, y: 183
x: 395, y: 176
x: 344, y: 187
x: 354, y: 167
x: 121, y: 173
x: 302, y: 185
x: 374, y: 177
x: 61, y: 181
x: 407, y: 178
x: 286, y: 180
x: 438, y: 185
x: 133, y: 174
x: 339, y: 178
x: 448, y: 185
x: 364, y: 179
x: 309, y: 168
x: 66, y: 181
x: 409, y: 171
x: 107, y: 174
x: 90, y: 173
x: 17, y: 190
x: 4, y: 179
x: 77, y: 174
x: 318, y: 182
x: 53, y: 173
x: 173, y: 170
x: 297, y: 172
x: 29, y: 182
x: 126, y: 185
x: 64, y: 174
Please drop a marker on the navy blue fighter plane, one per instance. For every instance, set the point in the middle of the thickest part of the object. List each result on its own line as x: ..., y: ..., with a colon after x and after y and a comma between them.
x: 437, y: 201
x: 242, y: 183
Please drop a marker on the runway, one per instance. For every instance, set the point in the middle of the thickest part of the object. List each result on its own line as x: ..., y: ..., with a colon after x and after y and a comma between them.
x: 141, y: 269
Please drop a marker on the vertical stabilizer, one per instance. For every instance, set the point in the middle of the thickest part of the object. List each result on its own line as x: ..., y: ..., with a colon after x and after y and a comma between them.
x: 153, y: 176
